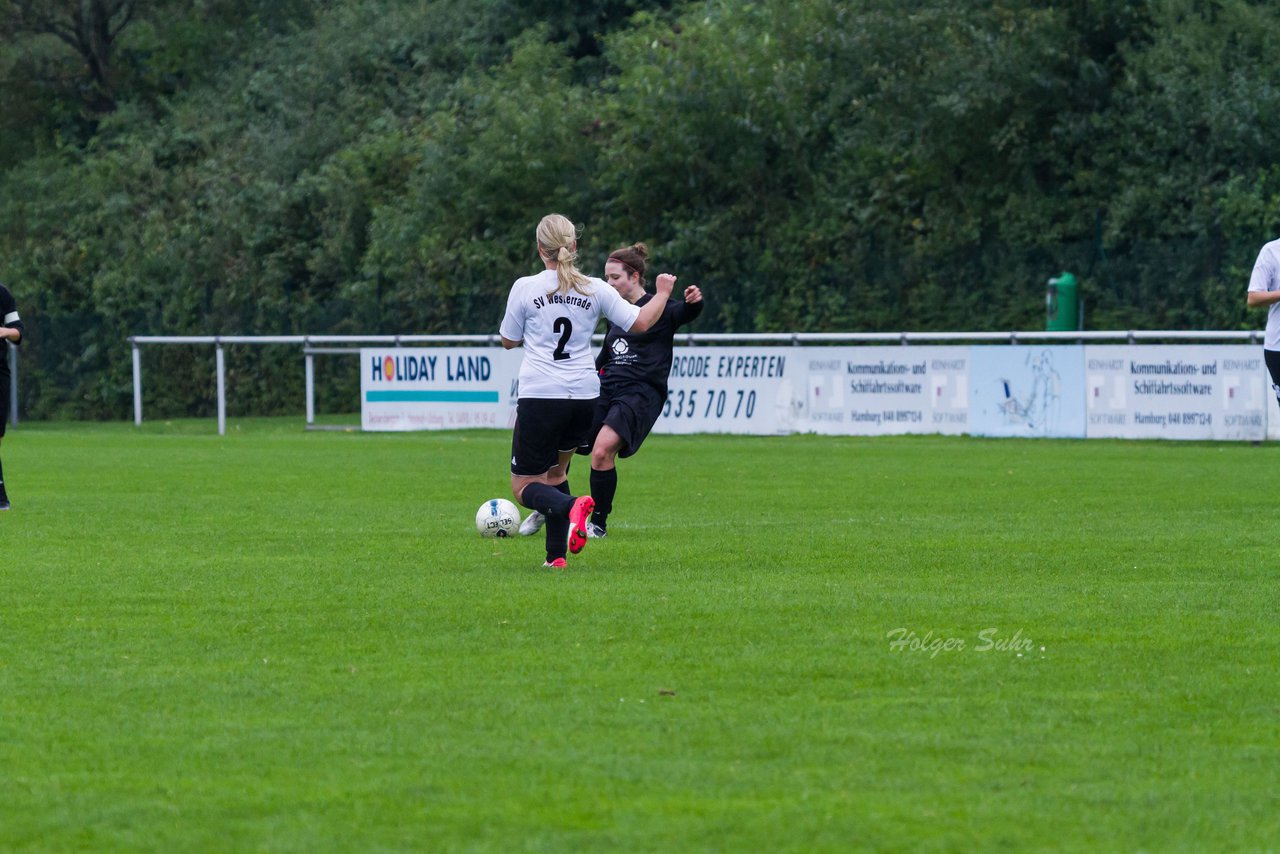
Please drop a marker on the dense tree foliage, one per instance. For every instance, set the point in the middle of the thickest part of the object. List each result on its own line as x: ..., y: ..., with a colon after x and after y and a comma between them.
x: 377, y: 166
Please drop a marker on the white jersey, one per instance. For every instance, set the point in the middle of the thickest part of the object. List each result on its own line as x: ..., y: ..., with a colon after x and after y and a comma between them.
x: 1266, y: 277
x: 556, y: 330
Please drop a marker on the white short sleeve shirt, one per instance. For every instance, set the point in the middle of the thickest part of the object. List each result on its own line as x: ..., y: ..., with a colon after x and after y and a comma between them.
x: 556, y: 330
x: 1266, y: 277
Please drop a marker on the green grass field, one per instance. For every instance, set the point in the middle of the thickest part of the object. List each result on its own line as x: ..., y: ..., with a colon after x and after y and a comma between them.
x: 288, y: 641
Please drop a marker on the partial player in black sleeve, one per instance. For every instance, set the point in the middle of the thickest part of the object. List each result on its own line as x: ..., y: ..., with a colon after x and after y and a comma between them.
x: 11, y: 330
x: 634, y: 367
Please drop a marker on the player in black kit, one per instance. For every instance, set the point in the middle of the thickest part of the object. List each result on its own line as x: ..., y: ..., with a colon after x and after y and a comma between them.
x: 10, y: 329
x: 634, y: 368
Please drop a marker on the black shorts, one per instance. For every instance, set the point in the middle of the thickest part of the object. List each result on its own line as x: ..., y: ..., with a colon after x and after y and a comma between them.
x: 4, y: 401
x: 544, y: 429
x: 631, y: 411
x: 1272, y: 358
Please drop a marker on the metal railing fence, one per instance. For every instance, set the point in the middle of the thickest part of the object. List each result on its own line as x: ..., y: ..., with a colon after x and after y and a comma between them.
x: 313, y: 345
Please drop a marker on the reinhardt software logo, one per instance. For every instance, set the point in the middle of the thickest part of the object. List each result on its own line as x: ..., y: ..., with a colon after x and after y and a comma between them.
x: 988, y: 640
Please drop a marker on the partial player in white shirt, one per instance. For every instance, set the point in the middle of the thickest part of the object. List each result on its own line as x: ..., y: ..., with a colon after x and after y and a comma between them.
x: 556, y: 330
x: 1264, y: 292
x: 11, y: 329
x: 553, y: 315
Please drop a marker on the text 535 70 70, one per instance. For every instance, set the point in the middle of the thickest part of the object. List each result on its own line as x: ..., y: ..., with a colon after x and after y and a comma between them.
x: 709, y: 403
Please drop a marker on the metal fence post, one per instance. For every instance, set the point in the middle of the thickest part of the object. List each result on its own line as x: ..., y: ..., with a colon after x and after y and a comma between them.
x: 311, y: 389
x: 137, y: 384
x: 222, y: 391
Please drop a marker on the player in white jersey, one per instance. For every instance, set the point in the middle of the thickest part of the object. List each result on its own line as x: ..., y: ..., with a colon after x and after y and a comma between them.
x: 1264, y: 291
x: 553, y: 314
x: 10, y: 329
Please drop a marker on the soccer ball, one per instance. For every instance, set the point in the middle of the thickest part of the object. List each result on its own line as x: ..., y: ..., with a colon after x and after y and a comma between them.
x: 497, y: 517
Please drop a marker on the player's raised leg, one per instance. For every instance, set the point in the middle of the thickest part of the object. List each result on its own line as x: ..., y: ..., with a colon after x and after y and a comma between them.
x: 579, y: 518
x: 4, y: 496
x: 604, y: 477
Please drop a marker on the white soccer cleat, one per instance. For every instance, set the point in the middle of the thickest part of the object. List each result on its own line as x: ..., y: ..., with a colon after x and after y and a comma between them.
x: 532, y: 524
x: 595, y: 532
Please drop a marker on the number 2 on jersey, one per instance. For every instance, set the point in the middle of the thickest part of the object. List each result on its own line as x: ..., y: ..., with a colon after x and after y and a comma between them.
x: 565, y: 328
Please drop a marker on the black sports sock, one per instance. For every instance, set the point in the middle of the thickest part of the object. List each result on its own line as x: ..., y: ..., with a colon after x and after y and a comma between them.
x: 547, y: 500
x: 557, y: 528
x: 3, y: 494
x: 604, y: 483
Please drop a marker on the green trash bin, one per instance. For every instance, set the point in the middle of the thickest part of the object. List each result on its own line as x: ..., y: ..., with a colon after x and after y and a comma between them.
x: 1062, y: 304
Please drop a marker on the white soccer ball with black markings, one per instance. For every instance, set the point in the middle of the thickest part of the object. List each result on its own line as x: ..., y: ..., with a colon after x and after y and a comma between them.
x: 498, y: 517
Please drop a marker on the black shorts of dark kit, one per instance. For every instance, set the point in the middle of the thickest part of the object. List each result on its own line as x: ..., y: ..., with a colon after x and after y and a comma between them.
x: 631, y: 411
x: 4, y: 402
x: 1272, y: 358
x: 545, y: 428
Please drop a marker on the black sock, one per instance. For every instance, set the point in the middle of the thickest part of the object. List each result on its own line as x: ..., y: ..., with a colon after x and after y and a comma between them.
x: 558, y: 528
x: 3, y: 494
x: 547, y: 500
x: 603, y: 485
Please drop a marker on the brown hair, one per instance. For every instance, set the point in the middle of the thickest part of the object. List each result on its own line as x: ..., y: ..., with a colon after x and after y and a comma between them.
x: 633, y: 258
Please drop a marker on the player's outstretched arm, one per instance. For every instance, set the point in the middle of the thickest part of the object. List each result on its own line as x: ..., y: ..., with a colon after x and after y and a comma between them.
x: 688, y: 311
x: 653, y: 309
x: 1258, y: 299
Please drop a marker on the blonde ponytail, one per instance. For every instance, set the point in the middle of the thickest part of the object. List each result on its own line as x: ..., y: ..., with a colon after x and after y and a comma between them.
x: 556, y: 236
